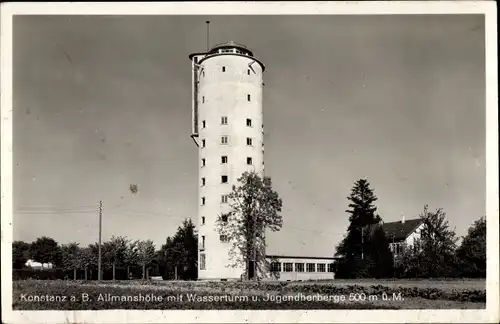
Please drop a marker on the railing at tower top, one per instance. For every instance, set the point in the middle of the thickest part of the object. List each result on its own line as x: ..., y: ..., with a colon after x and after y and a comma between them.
x: 229, y: 44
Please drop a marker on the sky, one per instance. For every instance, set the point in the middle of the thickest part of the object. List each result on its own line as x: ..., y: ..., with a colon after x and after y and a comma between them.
x: 102, y: 102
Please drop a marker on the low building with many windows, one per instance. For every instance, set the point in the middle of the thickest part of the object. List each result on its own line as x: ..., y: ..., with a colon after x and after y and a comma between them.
x: 298, y: 268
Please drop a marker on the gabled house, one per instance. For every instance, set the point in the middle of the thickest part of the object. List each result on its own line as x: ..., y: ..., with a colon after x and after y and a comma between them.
x: 398, y: 234
x: 401, y: 233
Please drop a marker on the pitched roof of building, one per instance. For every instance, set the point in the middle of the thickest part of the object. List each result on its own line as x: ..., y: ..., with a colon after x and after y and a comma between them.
x: 399, y: 230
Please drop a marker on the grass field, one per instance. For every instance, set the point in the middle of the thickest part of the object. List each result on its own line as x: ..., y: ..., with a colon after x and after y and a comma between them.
x: 443, y: 284
x: 339, y: 294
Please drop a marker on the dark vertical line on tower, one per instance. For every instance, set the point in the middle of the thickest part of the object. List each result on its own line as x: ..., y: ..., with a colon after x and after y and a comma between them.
x: 208, y: 34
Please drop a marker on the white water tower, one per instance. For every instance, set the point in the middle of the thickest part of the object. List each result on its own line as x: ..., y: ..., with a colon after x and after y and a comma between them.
x: 227, y: 127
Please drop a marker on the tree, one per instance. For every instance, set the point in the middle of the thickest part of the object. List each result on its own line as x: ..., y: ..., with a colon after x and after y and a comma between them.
x: 471, y: 254
x: 408, y: 263
x: 168, y: 259
x: 183, y: 251
x: 69, y: 255
x: 254, y: 208
x: 131, y: 255
x: 433, y: 253
x: 45, y: 250
x: 381, y: 259
x: 438, y: 244
x: 114, y: 252
x: 20, y: 254
x: 146, y: 254
x: 365, y: 249
x: 87, y: 258
x: 180, y: 253
x: 274, y: 268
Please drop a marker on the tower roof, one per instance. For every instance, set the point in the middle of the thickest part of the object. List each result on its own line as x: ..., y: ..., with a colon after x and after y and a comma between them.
x: 227, y: 45
x: 231, y: 44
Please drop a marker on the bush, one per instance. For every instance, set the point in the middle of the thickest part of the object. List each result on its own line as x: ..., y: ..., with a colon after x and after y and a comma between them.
x: 45, y: 274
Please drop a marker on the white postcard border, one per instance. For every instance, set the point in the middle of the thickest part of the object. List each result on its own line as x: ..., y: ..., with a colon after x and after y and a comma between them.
x: 488, y: 8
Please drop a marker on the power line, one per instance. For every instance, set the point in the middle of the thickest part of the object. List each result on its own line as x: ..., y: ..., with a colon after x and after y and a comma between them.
x: 56, y: 214
x: 56, y: 206
x: 54, y: 210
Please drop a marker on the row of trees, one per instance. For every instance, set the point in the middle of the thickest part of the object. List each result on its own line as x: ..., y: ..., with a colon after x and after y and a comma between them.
x: 365, y: 249
x: 436, y: 253
x: 255, y: 208
x: 118, y: 252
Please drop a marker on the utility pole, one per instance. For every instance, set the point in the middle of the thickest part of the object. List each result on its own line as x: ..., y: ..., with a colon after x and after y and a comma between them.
x: 208, y: 34
x: 99, y: 272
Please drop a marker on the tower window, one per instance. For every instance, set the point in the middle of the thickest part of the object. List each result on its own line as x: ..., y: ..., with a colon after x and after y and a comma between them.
x: 223, y: 179
x: 202, y: 261
x: 249, y: 160
x: 223, y: 199
x: 248, y: 97
x: 202, y: 181
x: 224, y: 218
x: 203, y: 162
x: 248, y: 71
x: 223, y: 120
x: 202, y: 220
x: 203, y: 201
x: 223, y: 69
x: 202, y: 143
x: 203, y: 99
x: 249, y: 122
x: 203, y: 123
x: 203, y: 242
x: 223, y: 159
x: 203, y: 73
x: 223, y: 140
x: 249, y: 141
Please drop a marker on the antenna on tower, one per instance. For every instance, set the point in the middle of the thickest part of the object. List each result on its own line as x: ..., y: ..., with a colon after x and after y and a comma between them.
x: 208, y: 34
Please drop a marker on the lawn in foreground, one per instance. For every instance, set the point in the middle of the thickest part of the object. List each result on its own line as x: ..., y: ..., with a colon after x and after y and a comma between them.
x: 57, y: 295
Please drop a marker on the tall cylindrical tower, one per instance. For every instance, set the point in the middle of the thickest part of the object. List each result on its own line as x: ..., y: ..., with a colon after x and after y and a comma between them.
x: 227, y: 126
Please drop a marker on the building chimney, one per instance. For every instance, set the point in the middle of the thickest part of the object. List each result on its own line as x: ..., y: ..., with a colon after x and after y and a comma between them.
x: 402, y: 218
